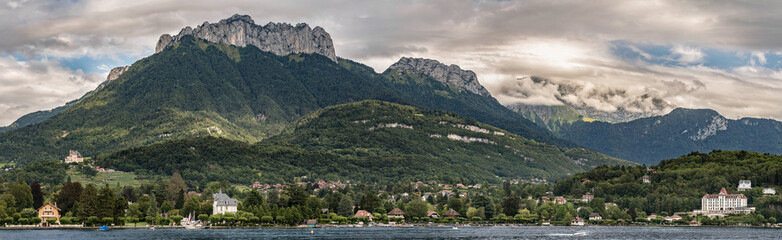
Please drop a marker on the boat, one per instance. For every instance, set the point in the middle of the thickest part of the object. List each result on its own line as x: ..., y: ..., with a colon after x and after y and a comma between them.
x: 455, y: 228
x: 103, y: 228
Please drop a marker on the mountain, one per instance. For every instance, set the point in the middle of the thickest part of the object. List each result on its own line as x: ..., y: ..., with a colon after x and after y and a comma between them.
x: 682, y: 131
x: 450, y: 74
x: 368, y: 141
x: 550, y: 117
x: 196, y: 88
x: 240, y: 30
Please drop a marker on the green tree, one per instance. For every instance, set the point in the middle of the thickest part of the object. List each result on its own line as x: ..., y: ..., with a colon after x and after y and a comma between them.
x: 35, y: 190
x: 180, y: 200
x: 22, y: 194
x: 88, y: 203
x: 345, y: 207
x: 106, y: 202
x: 68, y: 196
x: 416, y: 208
x: 510, y: 206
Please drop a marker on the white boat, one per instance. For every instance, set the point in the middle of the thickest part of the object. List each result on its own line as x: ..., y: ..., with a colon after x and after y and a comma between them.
x: 455, y: 228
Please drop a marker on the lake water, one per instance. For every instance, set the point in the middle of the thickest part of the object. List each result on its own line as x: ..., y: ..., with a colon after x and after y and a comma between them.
x: 531, y: 232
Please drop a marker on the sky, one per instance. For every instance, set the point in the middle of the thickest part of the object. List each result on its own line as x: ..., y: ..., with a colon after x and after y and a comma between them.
x: 638, y: 56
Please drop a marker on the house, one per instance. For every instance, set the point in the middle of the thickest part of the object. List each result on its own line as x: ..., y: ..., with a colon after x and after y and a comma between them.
x: 585, y: 180
x: 451, y: 213
x: 723, y: 203
x: 222, y: 203
x: 650, y: 217
x: 363, y: 214
x: 396, y: 213
x: 609, y: 205
x: 577, y: 222
x: 49, y: 211
x: 769, y: 191
x: 74, y: 157
x: 695, y: 223
x: 256, y: 185
x: 545, y: 199
x: 647, y: 179
x: 432, y: 214
x: 595, y: 217
x: 672, y: 218
x: 312, y: 223
x: 744, y: 185
x: 560, y: 200
x: 587, y: 197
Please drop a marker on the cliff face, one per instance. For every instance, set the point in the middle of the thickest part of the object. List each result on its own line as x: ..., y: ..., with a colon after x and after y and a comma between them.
x: 278, y: 38
x: 464, y: 79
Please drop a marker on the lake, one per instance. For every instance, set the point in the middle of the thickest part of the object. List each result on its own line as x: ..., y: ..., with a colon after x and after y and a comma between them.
x: 526, y: 232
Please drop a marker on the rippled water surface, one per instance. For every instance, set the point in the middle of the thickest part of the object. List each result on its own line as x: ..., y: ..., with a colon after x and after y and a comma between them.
x: 410, y: 233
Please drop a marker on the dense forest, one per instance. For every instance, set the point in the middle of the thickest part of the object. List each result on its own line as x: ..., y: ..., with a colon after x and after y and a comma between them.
x: 678, y: 184
x: 367, y: 141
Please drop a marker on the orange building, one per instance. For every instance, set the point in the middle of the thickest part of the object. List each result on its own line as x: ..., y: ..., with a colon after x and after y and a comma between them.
x: 49, y: 211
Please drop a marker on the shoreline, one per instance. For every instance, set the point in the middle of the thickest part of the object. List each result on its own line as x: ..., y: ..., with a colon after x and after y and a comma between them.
x: 357, y: 226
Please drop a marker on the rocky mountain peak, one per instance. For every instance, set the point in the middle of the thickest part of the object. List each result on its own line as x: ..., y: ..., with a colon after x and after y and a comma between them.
x: 449, y: 74
x: 278, y: 38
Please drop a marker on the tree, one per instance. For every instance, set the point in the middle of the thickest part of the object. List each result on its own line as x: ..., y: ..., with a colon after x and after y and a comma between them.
x: 106, y: 202
x: 180, y: 200
x: 510, y: 206
x: 22, y: 194
x: 28, y: 213
x: 416, y: 208
x: 475, y: 213
x: 297, y: 195
x: 481, y: 201
x: 369, y: 202
x: 176, y: 185
x: 456, y: 204
x: 35, y: 190
x: 192, y: 205
x: 88, y: 202
x: 345, y: 207
x: 68, y: 195
x: 165, y: 208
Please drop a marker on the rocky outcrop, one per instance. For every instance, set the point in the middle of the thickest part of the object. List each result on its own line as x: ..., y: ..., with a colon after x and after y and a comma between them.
x: 278, y: 38
x: 464, y: 79
x: 113, y: 75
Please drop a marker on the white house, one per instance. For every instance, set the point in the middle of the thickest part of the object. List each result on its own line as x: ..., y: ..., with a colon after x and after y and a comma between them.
x: 769, y: 191
x: 723, y: 203
x: 745, y: 185
x: 577, y: 222
x: 223, y: 203
x: 647, y: 179
x: 587, y: 197
x: 595, y: 216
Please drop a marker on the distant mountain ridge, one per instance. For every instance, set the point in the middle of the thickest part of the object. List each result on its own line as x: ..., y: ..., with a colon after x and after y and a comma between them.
x: 649, y: 140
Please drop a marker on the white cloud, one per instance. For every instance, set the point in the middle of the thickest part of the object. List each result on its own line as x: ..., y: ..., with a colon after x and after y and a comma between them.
x: 687, y: 55
x: 28, y: 86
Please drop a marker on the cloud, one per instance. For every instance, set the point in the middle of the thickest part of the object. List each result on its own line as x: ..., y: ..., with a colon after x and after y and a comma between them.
x: 687, y: 55
x: 28, y: 86
x: 566, y: 42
